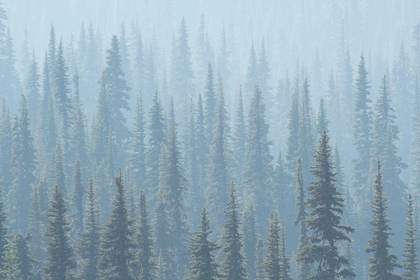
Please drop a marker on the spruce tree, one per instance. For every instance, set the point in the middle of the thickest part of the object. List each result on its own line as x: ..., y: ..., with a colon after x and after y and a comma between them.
x: 6, y: 147
x: 326, y: 210
x: 59, y: 176
x: 77, y: 197
x: 257, y: 167
x: 144, y: 240
x: 25, y: 262
x: 23, y: 168
x: 293, y: 132
x: 411, y: 261
x: 233, y: 264
x: 250, y: 239
x: 116, y: 90
x: 102, y: 124
x: 203, y: 266
x: 116, y: 248
x: 238, y: 137
x: 272, y: 266
x: 382, y: 263
x: 210, y: 109
x: 322, y: 120
x: 284, y: 259
x: 32, y: 88
x: 60, y: 254
x: 259, y: 259
x: 3, y: 230
x: 138, y: 147
x: 251, y: 78
x: 89, y: 240
x: 263, y: 72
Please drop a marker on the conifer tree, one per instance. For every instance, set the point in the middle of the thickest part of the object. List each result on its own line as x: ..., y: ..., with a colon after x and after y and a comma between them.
x: 25, y: 262
x: 59, y: 176
x: 38, y: 222
x: 203, y: 266
x: 233, y: 264
x: 6, y: 147
x: 293, y: 132
x: 77, y: 197
x: 145, y: 244
x: 415, y: 145
x: 263, y: 74
x: 272, y: 266
x: 3, y: 230
x: 411, y: 261
x: 52, y: 54
x: 250, y: 239
x: 116, y: 248
x: 138, y: 62
x: 326, y: 210
x: 32, y: 88
x: 322, y: 121
x: 116, y: 90
x: 138, y: 148
x: 78, y: 130
x: 60, y: 254
x: 200, y: 129
x: 251, y: 78
x: 259, y: 259
x: 284, y: 259
x: 210, y: 109
x: 102, y: 124
x: 382, y: 263
x: 23, y: 168
x: 239, y: 136
x: 258, y: 160
x: 90, y: 237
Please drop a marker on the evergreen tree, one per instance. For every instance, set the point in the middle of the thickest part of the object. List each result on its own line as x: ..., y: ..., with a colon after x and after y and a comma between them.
x: 138, y: 62
x: 233, y: 264
x: 322, y: 121
x: 326, y: 212
x: 263, y: 74
x: 6, y: 147
x: 60, y: 254
x: 293, y: 132
x: 116, y: 90
x: 90, y: 237
x: 382, y: 263
x: 272, y: 266
x: 138, y: 147
x: 32, y: 88
x: 250, y: 239
x: 3, y: 229
x: 251, y: 78
x: 52, y: 54
x: 210, y: 109
x: 411, y: 262
x: 239, y: 136
x: 116, y: 248
x: 25, y: 262
x: 23, y: 168
x: 284, y: 259
x: 145, y: 244
x: 200, y: 129
x: 203, y: 265
x: 257, y: 167
x: 77, y: 197
x: 102, y: 124
x: 59, y: 176
x: 259, y: 259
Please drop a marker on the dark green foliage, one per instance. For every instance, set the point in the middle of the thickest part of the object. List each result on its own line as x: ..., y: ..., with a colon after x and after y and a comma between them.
x: 411, y: 261
x: 326, y: 210
x: 117, y: 244
x: 90, y: 237
x: 60, y: 254
x: 144, y: 240
x: 233, y: 264
x: 203, y: 265
x: 382, y: 263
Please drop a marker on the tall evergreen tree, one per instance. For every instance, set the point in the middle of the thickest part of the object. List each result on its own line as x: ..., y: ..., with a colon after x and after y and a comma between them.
x: 251, y: 78
x: 116, y: 90
x: 23, y: 168
x: 284, y: 259
x: 233, y: 264
x: 411, y: 261
x: 250, y: 239
x: 322, y: 121
x: 60, y: 254
x: 116, y: 249
x: 326, y: 210
x: 6, y: 147
x: 77, y: 197
x: 138, y: 147
x: 25, y: 262
x: 203, y: 266
x: 145, y: 244
x: 238, y: 137
x: 32, y: 88
x: 3, y: 230
x: 263, y: 74
x: 382, y: 263
x: 90, y: 237
x: 272, y: 265
x: 210, y: 109
x: 293, y: 132
x: 259, y: 259
x: 258, y: 160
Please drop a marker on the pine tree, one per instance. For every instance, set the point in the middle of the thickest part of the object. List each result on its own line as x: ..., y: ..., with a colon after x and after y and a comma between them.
x: 250, y: 239
x: 145, y: 244
x: 25, y: 262
x: 382, y: 263
x: 32, y: 88
x: 157, y: 138
x: 411, y: 261
x: 233, y: 264
x: 257, y: 167
x: 60, y: 254
x: 362, y: 128
x: 23, y: 168
x: 202, y: 147
x: 90, y: 237
x: 77, y: 197
x: 138, y: 149
x: 203, y: 265
x: 116, y: 90
x: 272, y: 265
x: 326, y: 212
x: 116, y: 248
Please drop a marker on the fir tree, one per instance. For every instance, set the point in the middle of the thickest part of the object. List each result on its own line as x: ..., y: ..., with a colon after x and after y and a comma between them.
x: 233, y: 264
x: 23, y: 168
x: 145, y: 244
x: 250, y: 239
x: 326, y: 212
x: 322, y: 121
x: 116, y: 248
x: 32, y: 88
x: 77, y: 197
x: 116, y: 90
x: 293, y: 132
x: 272, y: 266
x: 6, y: 147
x: 102, y: 124
x: 239, y: 136
x: 138, y: 149
x: 259, y: 259
x: 411, y: 262
x: 25, y: 262
x: 59, y: 176
x: 210, y: 108
x: 3, y: 230
x: 203, y: 265
x: 284, y: 259
x: 263, y: 74
x: 251, y: 78
x: 382, y: 263
x: 60, y: 254
x: 90, y: 237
